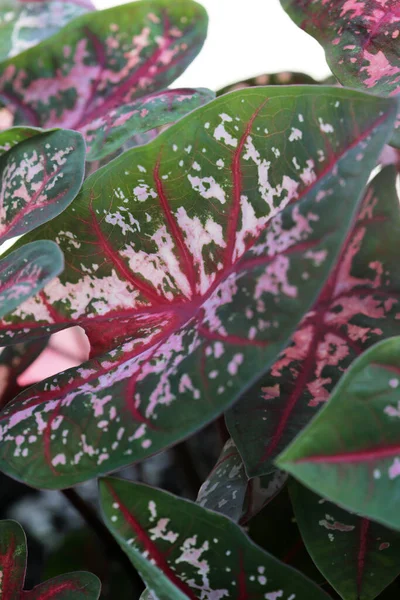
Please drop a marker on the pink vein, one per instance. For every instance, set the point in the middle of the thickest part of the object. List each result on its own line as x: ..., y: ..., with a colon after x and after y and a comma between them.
x: 352, y: 457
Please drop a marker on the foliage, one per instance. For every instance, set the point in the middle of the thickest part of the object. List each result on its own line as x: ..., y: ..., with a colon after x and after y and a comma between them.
x: 233, y: 263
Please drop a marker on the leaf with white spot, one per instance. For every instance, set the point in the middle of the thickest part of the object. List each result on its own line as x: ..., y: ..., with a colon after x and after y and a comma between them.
x: 73, y: 586
x: 358, y: 557
x: 24, y: 23
x: 229, y: 491
x: 109, y: 132
x: 81, y: 77
x: 14, y: 135
x: 360, y: 38
x: 359, y: 472
x: 357, y: 307
x: 185, y: 551
x: 189, y: 263
x: 39, y: 177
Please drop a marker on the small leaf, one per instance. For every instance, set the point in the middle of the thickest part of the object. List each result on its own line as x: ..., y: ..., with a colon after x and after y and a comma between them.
x: 360, y: 40
x: 188, y: 259
x: 26, y: 271
x: 102, y: 60
x: 12, y: 559
x: 24, y: 23
x: 106, y: 134
x: 359, y: 472
x: 184, y: 551
x: 357, y: 307
x: 229, y: 491
x: 358, y: 557
x: 283, y: 78
x: 39, y: 177
x: 74, y: 586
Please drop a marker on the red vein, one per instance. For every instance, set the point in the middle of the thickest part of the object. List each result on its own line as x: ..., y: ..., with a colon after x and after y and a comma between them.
x: 230, y: 339
x: 352, y: 457
x: 150, y: 547
x: 237, y: 188
x: 362, y: 550
x: 183, y: 250
x: 8, y: 570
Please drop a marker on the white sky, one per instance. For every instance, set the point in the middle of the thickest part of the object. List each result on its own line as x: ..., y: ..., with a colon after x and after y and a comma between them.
x: 246, y: 38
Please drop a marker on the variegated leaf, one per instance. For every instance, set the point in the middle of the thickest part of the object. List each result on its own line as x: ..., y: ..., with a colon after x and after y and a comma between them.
x: 188, y: 259
x: 14, y: 360
x: 14, y: 135
x: 359, y: 472
x: 103, y: 60
x: 358, y: 557
x: 109, y: 132
x: 360, y: 38
x: 24, y: 23
x: 73, y: 586
x: 184, y: 551
x: 283, y: 78
x: 358, y: 306
x: 39, y: 177
x: 26, y: 271
x: 229, y: 491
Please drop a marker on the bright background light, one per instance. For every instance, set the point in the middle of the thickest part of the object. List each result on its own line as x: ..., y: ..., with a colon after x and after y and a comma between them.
x: 246, y: 38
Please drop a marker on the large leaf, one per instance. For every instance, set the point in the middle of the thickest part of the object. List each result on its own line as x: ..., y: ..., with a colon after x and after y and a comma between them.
x: 358, y: 306
x: 229, y: 491
x: 102, y: 60
x: 184, y: 551
x: 282, y: 78
x: 73, y: 586
x: 39, y: 177
x: 24, y: 23
x: 189, y: 258
x: 360, y: 39
x: 359, y: 558
x: 108, y: 133
x: 359, y: 472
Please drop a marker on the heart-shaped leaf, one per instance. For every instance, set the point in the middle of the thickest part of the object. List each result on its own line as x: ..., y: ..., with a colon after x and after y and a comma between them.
x: 39, y: 177
x: 74, y: 586
x: 102, y: 60
x: 108, y: 133
x: 359, y: 38
x: 283, y: 78
x: 359, y: 472
x: 24, y: 23
x: 229, y: 491
x: 358, y: 306
x: 189, y: 258
x: 357, y: 556
x: 184, y: 551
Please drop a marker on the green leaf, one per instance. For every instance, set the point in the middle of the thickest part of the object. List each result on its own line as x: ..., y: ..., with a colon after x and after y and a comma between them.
x: 26, y: 271
x: 357, y: 307
x: 360, y: 41
x: 74, y: 586
x: 39, y: 178
x: 283, y: 78
x: 108, y: 133
x: 188, y: 259
x: 229, y: 491
x: 24, y: 23
x: 359, y: 472
x: 358, y: 557
x: 14, y: 135
x: 184, y: 551
x: 102, y: 60
x: 12, y: 559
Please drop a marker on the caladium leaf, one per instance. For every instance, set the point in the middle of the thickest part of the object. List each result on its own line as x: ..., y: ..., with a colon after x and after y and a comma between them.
x: 14, y: 360
x: 39, y: 177
x: 223, y: 251
x: 184, y: 551
x: 359, y: 38
x: 357, y: 307
x: 24, y: 23
x: 229, y: 491
x: 102, y: 60
x: 283, y: 78
x: 74, y: 586
x: 357, y: 556
x: 14, y: 135
x: 26, y: 271
x: 109, y: 132
x: 361, y: 473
